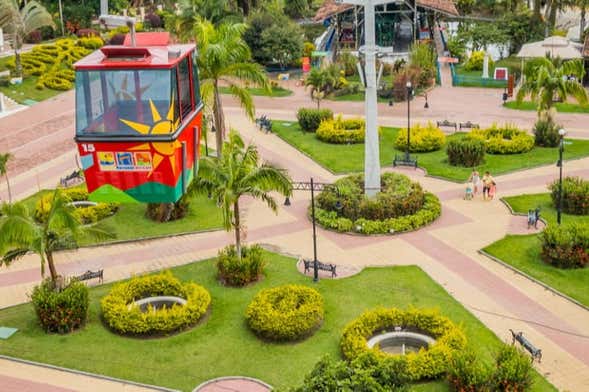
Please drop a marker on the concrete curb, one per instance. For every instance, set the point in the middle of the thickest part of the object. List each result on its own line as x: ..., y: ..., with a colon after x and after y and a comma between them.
x: 87, y: 374
x: 229, y: 378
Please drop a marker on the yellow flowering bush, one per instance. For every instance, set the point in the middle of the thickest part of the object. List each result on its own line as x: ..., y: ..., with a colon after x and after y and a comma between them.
x: 424, y: 138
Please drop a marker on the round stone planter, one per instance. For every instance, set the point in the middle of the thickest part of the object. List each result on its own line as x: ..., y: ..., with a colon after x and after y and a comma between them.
x: 400, y: 342
x: 158, y: 303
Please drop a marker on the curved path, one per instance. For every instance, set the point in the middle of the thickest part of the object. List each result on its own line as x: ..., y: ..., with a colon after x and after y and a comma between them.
x: 446, y: 250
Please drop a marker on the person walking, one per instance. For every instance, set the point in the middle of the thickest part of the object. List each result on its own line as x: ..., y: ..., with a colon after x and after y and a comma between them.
x: 475, y: 179
x: 488, y: 182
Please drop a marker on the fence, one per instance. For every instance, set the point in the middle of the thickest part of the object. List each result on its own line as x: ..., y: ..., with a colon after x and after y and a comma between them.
x: 475, y: 81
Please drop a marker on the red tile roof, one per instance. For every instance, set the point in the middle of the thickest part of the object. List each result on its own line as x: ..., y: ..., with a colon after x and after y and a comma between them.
x: 330, y: 7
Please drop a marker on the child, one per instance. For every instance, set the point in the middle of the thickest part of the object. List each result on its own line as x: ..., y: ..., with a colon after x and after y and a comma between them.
x: 468, y: 192
x: 492, y: 190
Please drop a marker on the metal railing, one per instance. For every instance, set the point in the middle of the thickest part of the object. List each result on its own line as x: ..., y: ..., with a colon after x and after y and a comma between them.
x: 468, y: 80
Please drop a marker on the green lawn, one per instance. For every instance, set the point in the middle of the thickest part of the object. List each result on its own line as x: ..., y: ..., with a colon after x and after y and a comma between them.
x: 224, y: 346
x: 523, y: 252
x: 473, y: 78
x: 25, y: 91
x: 559, y: 106
x: 350, y: 158
x: 130, y: 221
x: 276, y: 92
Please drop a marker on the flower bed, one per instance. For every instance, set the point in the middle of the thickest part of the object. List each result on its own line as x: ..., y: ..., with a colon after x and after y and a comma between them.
x: 424, y: 138
x: 425, y: 364
x: 285, y: 313
x: 340, y: 131
x: 122, y: 316
x: 402, y: 205
x: 87, y: 215
x: 506, y: 139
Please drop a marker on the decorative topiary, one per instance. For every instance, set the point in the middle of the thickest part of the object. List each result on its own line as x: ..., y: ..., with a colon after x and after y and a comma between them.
x: 340, y: 131
x: 122, y: 316
x: 425, y: 364
x: 401, y: 205
x: 424, y: 138
x: 239, y: 272
x: 506, y: 139
x: 86, y: 214
x: 566, y: 246
x: 61, y: 310
x: 309, y: 119
x: 285, y: 313
x: 575, y: 195
x: 466, y: 152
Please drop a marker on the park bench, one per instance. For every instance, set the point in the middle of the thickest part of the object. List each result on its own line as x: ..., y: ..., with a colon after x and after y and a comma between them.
x: 446, y: 123
x: 526, y: 344
x: 533, y: 218
x: 321, y: 266
x: 264, y: 124
x: 72, y: 179
x: 91, y: 275
x: 468, y: 125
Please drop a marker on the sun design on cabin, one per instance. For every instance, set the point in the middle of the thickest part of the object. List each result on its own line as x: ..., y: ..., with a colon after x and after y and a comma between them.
x: 162, y: 150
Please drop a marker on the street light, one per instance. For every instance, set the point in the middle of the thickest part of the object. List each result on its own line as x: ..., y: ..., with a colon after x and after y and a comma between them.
x: 407, y: 161
x: 561, y: 132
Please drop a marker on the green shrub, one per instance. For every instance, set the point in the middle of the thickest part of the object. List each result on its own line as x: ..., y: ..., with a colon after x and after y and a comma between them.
x: 92, y: 43
x: 575, y: 195
x: 309, y: 119
x: 425, y: 364
x: 467, y: 374
x: 566, y: 246
x: 340, y: 131
x: 476, y: 60
x: 546, y: 133
x: 86, y: 215
x: 167, y: 212
x: 506, y: 139
x: 239, y: 272
x: 285, y: 313
x: 513, y: 370
x: 125, y: 319
x: 61, y: 311
x: 465, y: 152
x: 424, y: 138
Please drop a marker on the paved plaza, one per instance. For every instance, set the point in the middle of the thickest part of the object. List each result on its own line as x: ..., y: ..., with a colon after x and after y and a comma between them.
x: 40, y: 138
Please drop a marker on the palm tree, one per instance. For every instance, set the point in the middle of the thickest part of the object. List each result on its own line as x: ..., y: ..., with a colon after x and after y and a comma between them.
x: 4, y: 172
x: 225, y: 57
x: 20, y: 22
x: 547, y: 78
x: 320, y: 80
x: 235, y: 174
x: 21, y: 233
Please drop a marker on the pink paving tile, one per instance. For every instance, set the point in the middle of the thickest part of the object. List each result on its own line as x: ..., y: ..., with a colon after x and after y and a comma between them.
x: 12, y: 384
x: 234, y: 385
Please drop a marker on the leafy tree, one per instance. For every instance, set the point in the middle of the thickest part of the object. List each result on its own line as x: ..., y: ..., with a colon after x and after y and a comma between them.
x: 238, y: 173
x: 521, y: 27
x: 320, y: 81
x: 547, y: 78
x: 225, y: 57
x: 257, y: 23
x: 4, y: 172
x: 283, y: 43
x: 20, y: 22
x: 21, y: 233
x: 483, y: 34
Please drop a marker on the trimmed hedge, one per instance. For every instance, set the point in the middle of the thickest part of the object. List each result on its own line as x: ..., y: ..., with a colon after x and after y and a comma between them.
x: 401, y: 206
x: 424, y: 138
x: 425, y: 364
x: 239, y: 272
x: 566, y: 246
x: 465, y: 152
x: 501, y: 140
x: 309, y: 119
x: 575, y: 195
x: 61, y: 311
x: 340, y: 131
x: 285, y: 313
x: 86, y: 215
x: 130, y: 320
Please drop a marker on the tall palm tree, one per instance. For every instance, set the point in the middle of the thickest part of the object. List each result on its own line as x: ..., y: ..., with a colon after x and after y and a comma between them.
x: 547, y: 78
x: 21, y: 233
x: 20, y: 22
x: 237, y: 173
x: 225, y: 57
x: 4, y: 172
x: 319, y: 80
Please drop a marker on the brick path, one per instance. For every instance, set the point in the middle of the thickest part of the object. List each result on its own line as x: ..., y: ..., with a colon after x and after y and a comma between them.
x: 446, y: 250
x: 233, y: 384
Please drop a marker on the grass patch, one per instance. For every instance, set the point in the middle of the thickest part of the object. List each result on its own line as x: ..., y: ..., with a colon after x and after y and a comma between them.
x: 224, y: 346
x: 350, y: 158
x: 276, y: 92
x: 523, y: 252
x: 27, y: 90
x: 473, y: 78
x: 562, y: 107
x: 131, y: 223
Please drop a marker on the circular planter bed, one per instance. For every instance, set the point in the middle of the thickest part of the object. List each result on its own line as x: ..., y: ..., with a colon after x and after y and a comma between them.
x: 285, y: 313
x: 502, y: 140
x: 154, y: 305
x: 402, y: 205
x: 433, y: 338
x: 86, y: 211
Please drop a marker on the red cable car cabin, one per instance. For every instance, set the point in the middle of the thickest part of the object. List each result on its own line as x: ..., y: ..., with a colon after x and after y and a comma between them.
x: 138, y: 122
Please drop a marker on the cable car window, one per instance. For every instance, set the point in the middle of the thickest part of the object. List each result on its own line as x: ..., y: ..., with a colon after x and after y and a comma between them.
x: 184, y: 86
x: 195, y: 79
x: 126, y: 102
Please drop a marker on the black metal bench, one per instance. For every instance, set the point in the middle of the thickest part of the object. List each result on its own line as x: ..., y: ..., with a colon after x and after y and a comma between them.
x: 91, y: 275
x: 72, y: 179
x: 446, y: 123
x: 526, y: 344
x: 469, y: 125
x: 264, y: 124
x: 533, y: 218
x: 322, y: 266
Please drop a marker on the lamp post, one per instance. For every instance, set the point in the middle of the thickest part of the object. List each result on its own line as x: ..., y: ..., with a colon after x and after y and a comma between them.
x: 315, y: 266
x: 408, y: 85
x: 561, y: 132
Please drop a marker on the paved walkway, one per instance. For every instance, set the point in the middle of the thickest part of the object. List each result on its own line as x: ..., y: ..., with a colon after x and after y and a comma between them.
x: 234, y: 384
x: 446, y: 250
